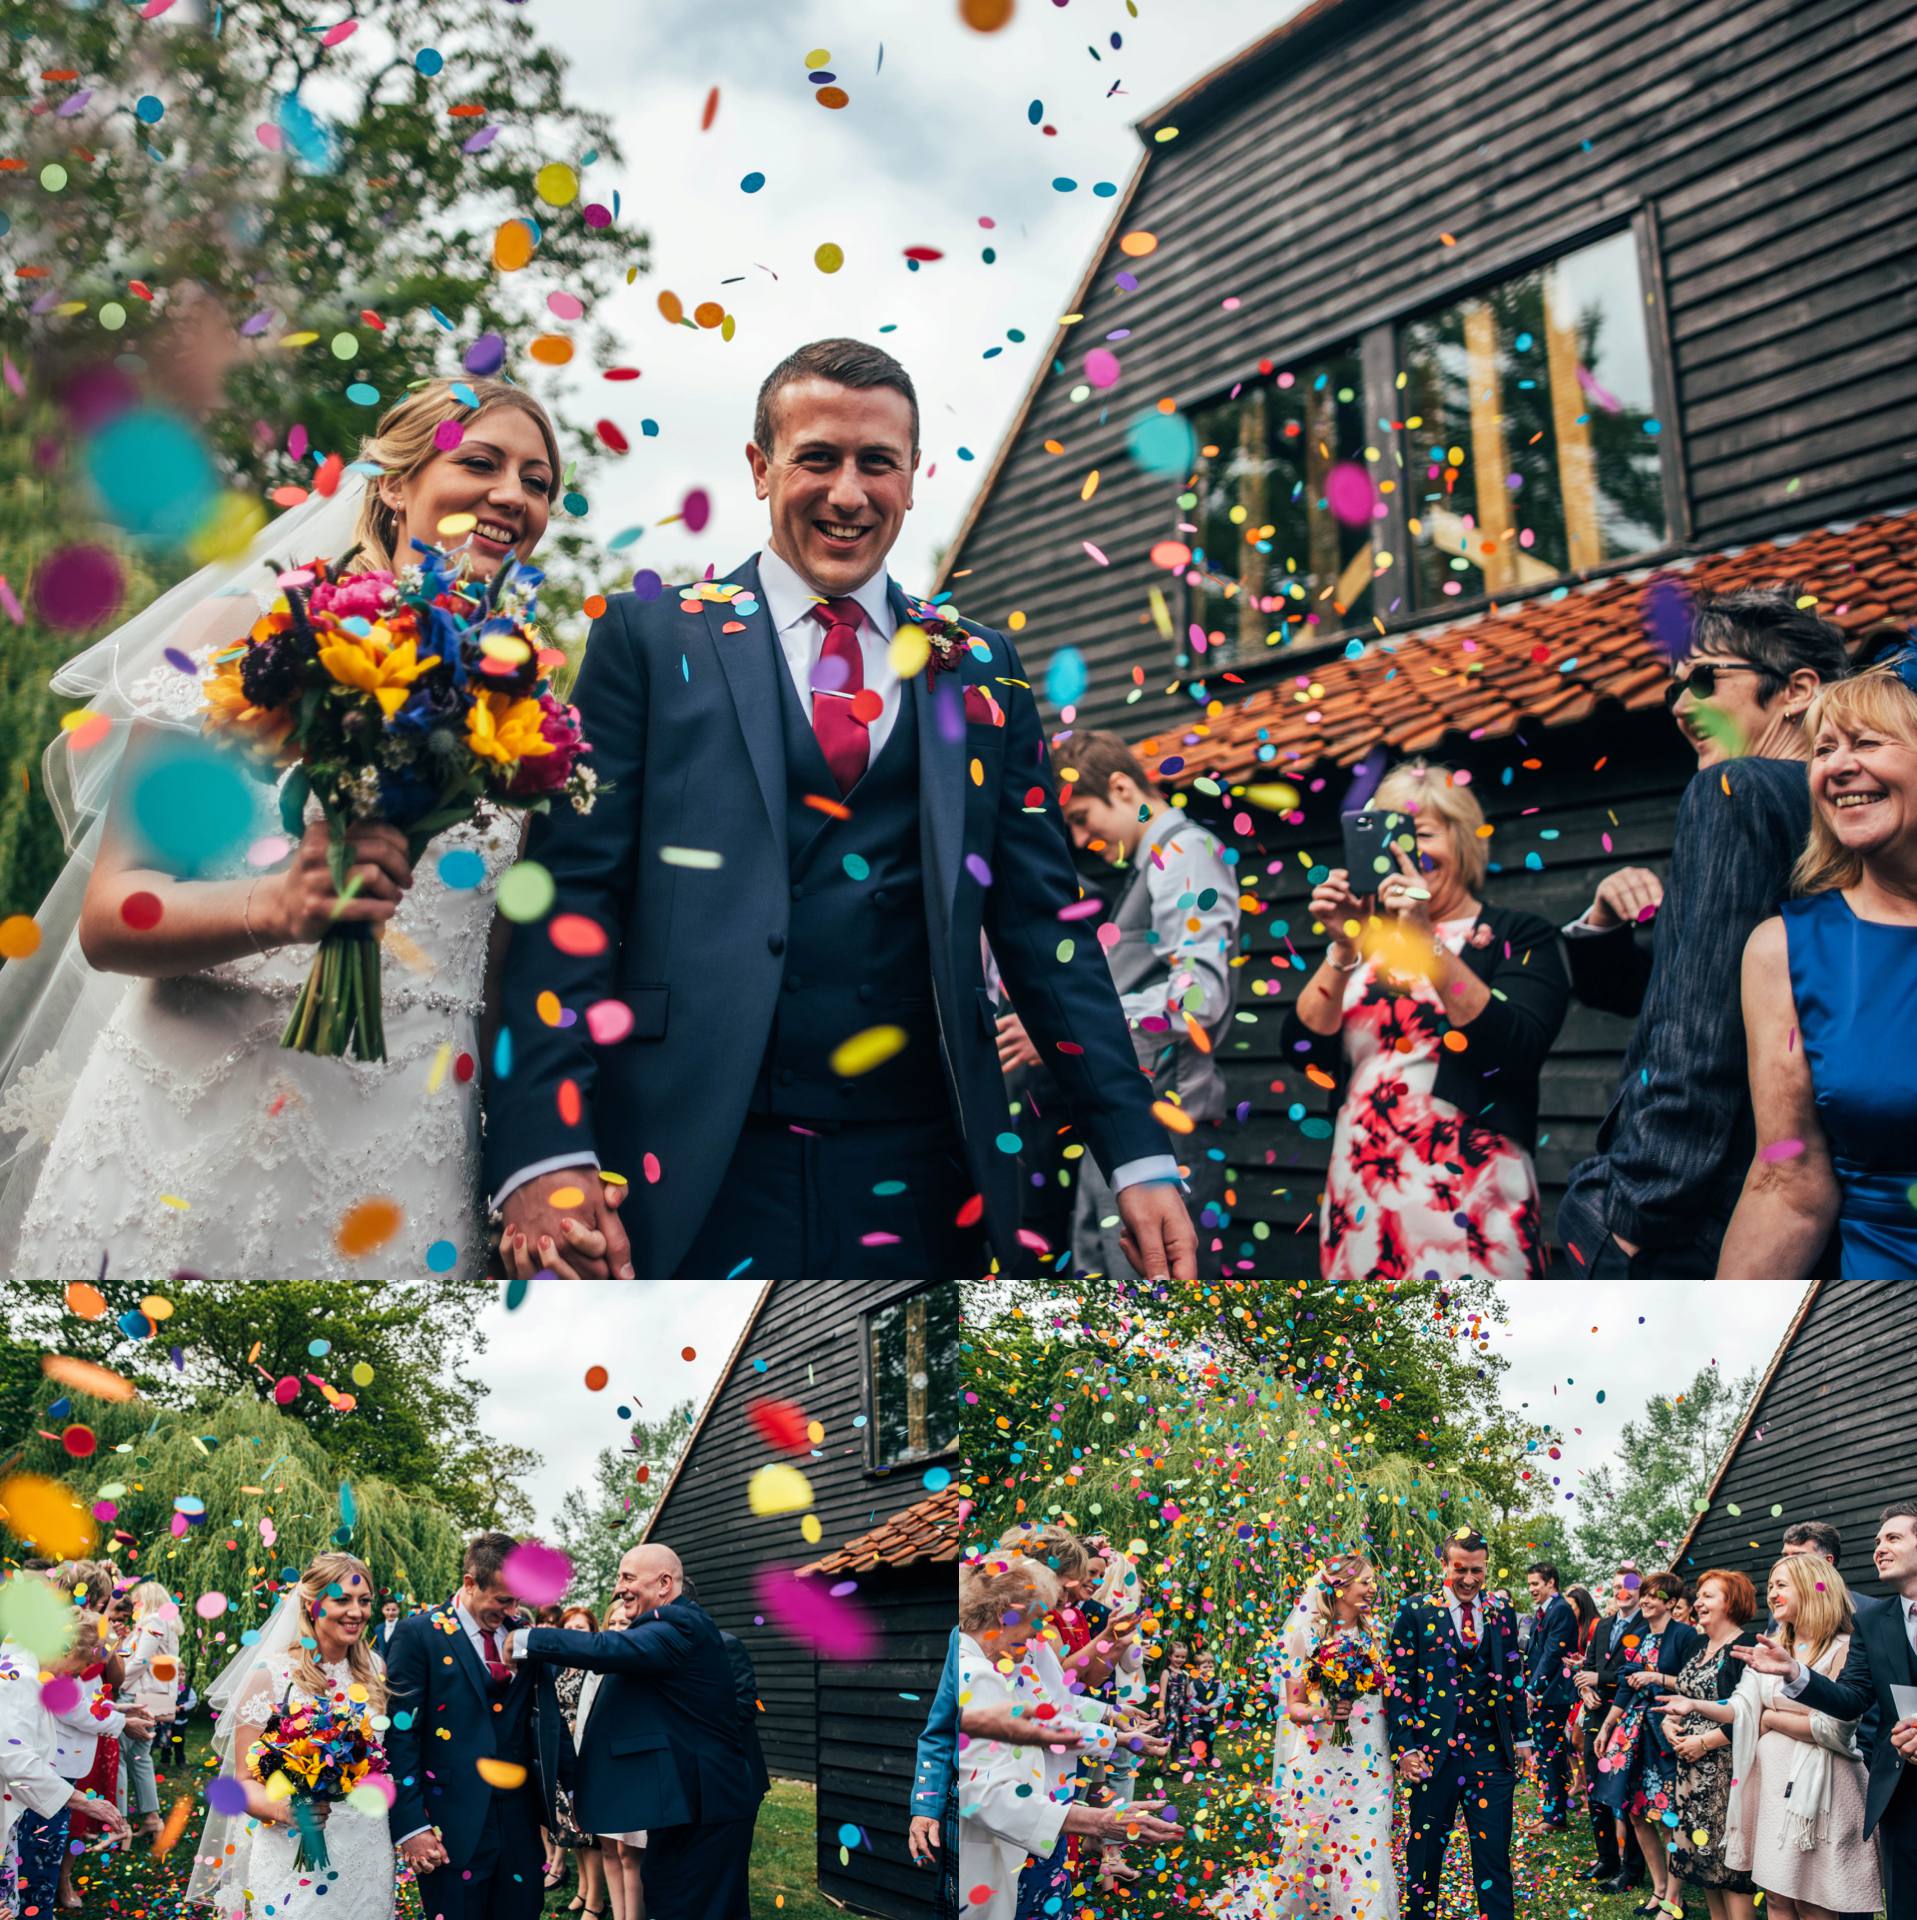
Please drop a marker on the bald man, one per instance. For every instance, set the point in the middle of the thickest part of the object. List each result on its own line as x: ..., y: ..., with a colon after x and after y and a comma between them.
x: 663, y: 1748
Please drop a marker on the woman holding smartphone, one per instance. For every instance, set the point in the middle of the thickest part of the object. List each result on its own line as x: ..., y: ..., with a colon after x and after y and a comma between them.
x: 1430, y: 1015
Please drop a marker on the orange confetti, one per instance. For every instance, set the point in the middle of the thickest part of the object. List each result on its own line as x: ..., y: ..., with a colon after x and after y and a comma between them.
x: 672, y: 307
x: 504, y: 1774
x: 1174, y: 1119
x: 985, y: 16
x: 169, y: 1835
x: 370, y: 1224
x: 566, y: 1197
x: 595, y: 605
x: 1138, y: 244
x: 596, y: 1378
x: 550, y: 349
x: 712, y: 110
x: 688, y: 1353
x: 88, y: 1302
x: 85, y: 1376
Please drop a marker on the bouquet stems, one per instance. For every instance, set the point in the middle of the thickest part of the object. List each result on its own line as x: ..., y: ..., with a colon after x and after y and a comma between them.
x: 338, y: 1009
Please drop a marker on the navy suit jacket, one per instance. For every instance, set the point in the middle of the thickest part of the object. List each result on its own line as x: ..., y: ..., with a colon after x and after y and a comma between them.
x: 665, y: 1742
x: 438, y: 1685
x: 1554, y: 1643
x: 745, y: 1684
x: 1673, y: 1151
x: 1421, y: 1704
x: 1880, y: 1657
x: 682, y: 710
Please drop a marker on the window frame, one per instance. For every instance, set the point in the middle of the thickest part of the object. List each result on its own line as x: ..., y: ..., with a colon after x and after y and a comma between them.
x: 897, y: 1297
x: 1376, y: 336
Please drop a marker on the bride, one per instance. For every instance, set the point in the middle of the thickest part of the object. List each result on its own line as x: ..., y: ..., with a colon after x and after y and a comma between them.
x: 312, y: 1648
x: 164, y: 1127
x: 1333, y: 1801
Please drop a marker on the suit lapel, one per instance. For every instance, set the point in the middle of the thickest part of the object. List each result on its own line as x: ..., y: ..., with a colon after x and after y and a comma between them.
x: 938, y: 709
x: 466, y: 1656
x: 750, y: 657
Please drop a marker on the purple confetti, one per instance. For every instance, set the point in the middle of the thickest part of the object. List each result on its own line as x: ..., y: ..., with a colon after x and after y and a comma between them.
x: 486, y: 355
x: 1667, y: 617
x: 481, y: 140
x: 256, y: 324
x: 647, y: 584
x: 175, y: 658
x: 74, y: 103
x: 976, y: 867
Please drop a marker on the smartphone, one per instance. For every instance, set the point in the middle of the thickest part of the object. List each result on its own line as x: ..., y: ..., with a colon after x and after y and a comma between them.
x: 1368, y: 838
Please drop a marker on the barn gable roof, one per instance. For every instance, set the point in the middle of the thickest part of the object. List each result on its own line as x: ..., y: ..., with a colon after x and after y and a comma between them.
x: 927, y: 1531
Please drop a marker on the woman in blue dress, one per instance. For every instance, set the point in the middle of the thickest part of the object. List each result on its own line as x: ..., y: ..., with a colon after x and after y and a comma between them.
x: 1830, y: 988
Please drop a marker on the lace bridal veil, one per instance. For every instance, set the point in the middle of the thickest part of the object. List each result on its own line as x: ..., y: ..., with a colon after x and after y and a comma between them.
x: 52, y: 1004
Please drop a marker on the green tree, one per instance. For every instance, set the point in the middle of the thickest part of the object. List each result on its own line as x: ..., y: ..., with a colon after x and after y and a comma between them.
x: 1642, y: 1507
x: 600, y: 1523
x: 398, y: 1354
x: 231, y: 1497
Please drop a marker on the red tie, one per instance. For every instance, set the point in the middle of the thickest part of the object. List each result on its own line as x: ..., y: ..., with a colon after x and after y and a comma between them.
x: 1470, y: 1628
x: 495, y: 1667
x: 840, y: 675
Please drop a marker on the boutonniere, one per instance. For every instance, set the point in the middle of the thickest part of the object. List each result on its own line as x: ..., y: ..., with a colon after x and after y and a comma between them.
x: 949, y: 642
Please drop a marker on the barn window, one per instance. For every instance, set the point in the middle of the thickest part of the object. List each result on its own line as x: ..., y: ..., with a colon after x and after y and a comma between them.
x: 1282, y: 510
x: 912, y: 1377
x: 1531, y: 438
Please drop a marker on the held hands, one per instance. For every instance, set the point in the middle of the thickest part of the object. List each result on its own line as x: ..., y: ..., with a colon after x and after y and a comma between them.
x: 1157, y: 1235
x: 584, y: 1242
x: 1332, y: 904
x: 1414, y: 1763
x: 424, y: 1852
x: 1626, y: 898
x: 301, y: 905
x: 1015, y: 1048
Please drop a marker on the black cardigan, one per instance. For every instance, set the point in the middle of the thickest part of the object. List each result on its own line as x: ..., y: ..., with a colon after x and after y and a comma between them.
x: 1493, y: 1082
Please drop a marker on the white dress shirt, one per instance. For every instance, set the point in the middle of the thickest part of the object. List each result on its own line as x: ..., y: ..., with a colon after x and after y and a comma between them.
x: 28, y: 1777
x: 788, y: 603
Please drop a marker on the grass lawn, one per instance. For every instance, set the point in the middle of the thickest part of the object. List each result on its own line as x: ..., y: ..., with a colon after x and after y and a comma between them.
x: 1230, y: 1827
x: 136, y: 1886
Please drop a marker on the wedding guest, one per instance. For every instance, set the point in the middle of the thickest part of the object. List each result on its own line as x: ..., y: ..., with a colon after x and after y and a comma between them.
x: 1207, y: 1708
x: 1177, y: 924
x: 569, y: 1683
x: 1016, y: 1814
x: 1576, y: 1731
x: 95, y: 1723
x: 1175, y: 1699
x: 1620, y: 1861
x: 932, y: 1838
x: 1882, y: 1655
x: 390, y: 1614
x: 1726, y: 1605
x: 1798, y: 1811
x: 1836, y: 1139
x: 153, y: 1682
x: 745, y: 1691
x: 1656, y: 1197
x: 1550, y: 1656
x: 622, y: 1854
x: 1433, y: 1012
x: 1634, y: 1756
x: 1107, y: 1778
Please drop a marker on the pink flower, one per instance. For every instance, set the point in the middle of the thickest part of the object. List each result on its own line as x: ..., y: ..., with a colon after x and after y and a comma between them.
x: 548, y: 772
x: 360, y: 596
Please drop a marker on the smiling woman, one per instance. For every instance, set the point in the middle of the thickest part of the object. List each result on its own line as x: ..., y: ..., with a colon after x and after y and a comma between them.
x: 1836, y: 1120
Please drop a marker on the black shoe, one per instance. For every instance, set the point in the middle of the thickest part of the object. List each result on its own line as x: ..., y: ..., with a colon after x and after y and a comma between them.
x: 1597, y: 1870
x: 1621, y: 1883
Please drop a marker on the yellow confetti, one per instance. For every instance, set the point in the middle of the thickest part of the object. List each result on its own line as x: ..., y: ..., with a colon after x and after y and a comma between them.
x: 1174, y: 1118
x: 48, y: 1514
x: 454, y: 524
x: 174, y: 1201
x: 909, y: 651
x: 556, y: 184
x: 830, y: 257
x: 566, y: 1197
x: 866, y: 1050
x: 778, y: 1488
x: 441, y: 1061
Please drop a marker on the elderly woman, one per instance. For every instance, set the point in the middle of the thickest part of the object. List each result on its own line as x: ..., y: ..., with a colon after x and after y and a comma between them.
x: 1432, y: 1013
x: 152, y: 1656
x: 1016, y: 1806
x: 1823, y: 980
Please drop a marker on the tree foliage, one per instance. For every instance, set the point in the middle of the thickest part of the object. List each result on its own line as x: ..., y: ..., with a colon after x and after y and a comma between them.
x: 599, y: 1523
x: 1642, y: 1508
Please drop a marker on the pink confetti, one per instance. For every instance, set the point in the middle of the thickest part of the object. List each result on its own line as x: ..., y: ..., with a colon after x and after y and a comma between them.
x: 649, y: 1166
x: 1781, y: 1150
x: 1101, y: 367
x: 270, y: 137
x: 60, y: 1693
x: 536, y: 1573
x: 696, y: 510
x: 296, y: 443
x: 1094, y: 552
x: 334, y: 35
x: 835, y: 1628
x: 7, y: 600
x: 608, y: 1021
x: 566, y: 306
x: 15, y: 385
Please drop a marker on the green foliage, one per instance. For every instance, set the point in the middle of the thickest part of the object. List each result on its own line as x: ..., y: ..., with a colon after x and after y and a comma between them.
x: 1642, y: 1508
x: 413, y: 1423
x: 599, y: 1524
x: 271, y: 1495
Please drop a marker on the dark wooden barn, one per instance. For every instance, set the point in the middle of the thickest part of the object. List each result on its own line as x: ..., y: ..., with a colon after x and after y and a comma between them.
x: 871, y: 1711
x: 1410, y: 357
x: 1827, y: 1436
x: 876, y: 1367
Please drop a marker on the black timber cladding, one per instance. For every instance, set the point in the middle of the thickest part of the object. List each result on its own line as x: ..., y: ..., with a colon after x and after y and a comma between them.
x: 1770, y: 144
x: 1832, y: 1436
x: 803, y: 1347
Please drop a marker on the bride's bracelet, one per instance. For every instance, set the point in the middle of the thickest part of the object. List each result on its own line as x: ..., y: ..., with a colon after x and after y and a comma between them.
x: 246, y: 917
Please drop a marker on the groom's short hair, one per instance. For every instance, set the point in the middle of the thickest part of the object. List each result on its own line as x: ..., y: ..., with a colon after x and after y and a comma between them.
x: 1465, y: 1542
x: 1545, y: 1571
x: 486, y: 1557
x: 846, y: 363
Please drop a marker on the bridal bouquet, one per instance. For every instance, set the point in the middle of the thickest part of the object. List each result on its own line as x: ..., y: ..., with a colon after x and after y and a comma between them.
x: 1346, y: 1667
x: 321, y: 1749
x: 418, y: 699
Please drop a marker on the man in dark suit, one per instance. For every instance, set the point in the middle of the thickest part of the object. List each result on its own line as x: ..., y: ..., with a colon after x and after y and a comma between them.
x: 1672, y: 1153
x: 1883, y: 1654
x: 1456, y: 1715
x: 665, y: 1748
x: 1548, y: 1658
x: 806, y: 817
x: 745, y: 1683
x: 1620, y: 1862
x: 390, y: 1614
x: 476, y: 1752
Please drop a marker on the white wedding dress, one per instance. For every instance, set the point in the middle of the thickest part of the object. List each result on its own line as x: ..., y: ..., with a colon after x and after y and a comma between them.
x: 1332, y: 1849
x: 191, y: 1140
x: 357, y: 1883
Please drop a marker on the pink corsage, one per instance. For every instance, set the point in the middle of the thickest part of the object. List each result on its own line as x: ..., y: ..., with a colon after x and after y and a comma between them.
x: 948, y: 640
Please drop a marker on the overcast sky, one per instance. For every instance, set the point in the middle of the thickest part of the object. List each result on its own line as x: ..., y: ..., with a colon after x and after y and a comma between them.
x: 1626, y: 1340
x: 936, y: 139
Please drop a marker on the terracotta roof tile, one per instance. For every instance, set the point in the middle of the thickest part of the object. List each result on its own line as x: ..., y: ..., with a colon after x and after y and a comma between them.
x: 1553, y: 659
x: 928, y: 1531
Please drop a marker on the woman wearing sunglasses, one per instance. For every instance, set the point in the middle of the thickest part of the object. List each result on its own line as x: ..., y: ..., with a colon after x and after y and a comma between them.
x: 1828, y: 985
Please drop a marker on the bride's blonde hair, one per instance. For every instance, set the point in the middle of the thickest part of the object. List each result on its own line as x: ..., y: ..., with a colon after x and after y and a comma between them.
x: 1312, y: 1618
x: 324, y: 1572
x: 403, y: 443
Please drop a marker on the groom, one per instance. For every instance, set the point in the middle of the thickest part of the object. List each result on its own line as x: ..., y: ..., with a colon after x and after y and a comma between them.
x: 1456, y: 1715
x: 664, y: 1748
x: 475, y: 1750
x: 761, y: 998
